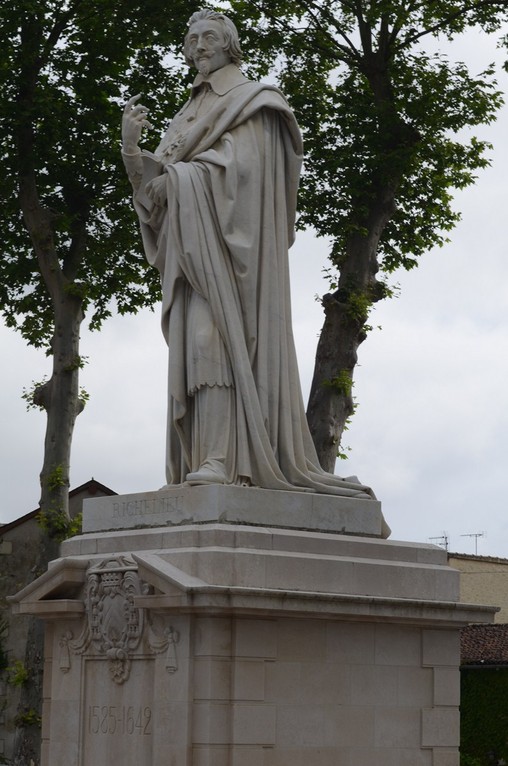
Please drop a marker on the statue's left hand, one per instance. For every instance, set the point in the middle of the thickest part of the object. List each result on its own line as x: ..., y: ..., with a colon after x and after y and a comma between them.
x: 156, y: 190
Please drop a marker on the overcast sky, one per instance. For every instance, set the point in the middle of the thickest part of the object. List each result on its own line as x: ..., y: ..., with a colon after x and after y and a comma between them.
x: 430, y: 433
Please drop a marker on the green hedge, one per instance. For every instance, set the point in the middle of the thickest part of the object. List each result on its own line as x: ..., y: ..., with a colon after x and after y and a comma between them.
x: 484, y: 716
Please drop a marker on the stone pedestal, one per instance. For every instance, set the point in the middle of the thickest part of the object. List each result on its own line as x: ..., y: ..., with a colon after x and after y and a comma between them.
x: 212, y: 639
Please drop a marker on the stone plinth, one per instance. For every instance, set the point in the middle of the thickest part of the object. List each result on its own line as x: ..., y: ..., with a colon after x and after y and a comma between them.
x: 173, y: 506
x: 227, y: 644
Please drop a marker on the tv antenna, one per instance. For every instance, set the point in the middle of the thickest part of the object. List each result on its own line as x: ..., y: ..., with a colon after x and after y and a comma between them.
x: 476, y: 535
x: 442, y: 540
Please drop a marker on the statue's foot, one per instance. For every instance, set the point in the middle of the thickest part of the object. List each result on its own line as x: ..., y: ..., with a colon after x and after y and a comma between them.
x: 211, y: 472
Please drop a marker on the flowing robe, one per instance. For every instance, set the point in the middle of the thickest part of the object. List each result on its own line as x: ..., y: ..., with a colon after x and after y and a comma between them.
x: 232, y: 177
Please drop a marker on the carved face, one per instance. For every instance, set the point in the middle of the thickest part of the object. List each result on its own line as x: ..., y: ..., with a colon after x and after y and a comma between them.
x: 206, y: 46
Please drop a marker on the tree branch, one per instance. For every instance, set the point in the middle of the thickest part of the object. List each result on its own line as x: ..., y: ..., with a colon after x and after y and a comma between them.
x: 409, y: 41
x: 349, y: 51
x: 384, y: 37
x: 364, y: 28
x: 77, y: 249
x: 58, y: 28
x: 38, y: 219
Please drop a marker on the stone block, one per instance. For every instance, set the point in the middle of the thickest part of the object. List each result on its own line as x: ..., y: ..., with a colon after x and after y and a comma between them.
x: 210, y: 756
x: 85, y: 545
x: 443, y: 757
x: 392, y: 757
x: 65, y: 720
x: 303, y: 640
x: 316, y: 756
x: 415, y: 687
x: 247, y: 756
x: 250, y: 570
x: 45, y: 751
x: 171, y: 724
x: 217, y: 567
x: 350, y: 643
x: 397, y: 728
x: 212, y: 679
x: 440, y: 727
x: 256, y: 638
x: 68, y: 752
x: 325, y: 683
x: 398, y: 645
x: 253, y: 724
x: 441, y: 647
x: 175, y: 684
x: 372, y: 685
x: 45, y: 716
x: 249, y: 680
x: 282, y: 681
x: 47, y: 681
x: 211, y: 723
x: 447, y: 686
x: 351, y: 726
x: 212, y: 637
x: 233, y: 505
x: 304, y: 726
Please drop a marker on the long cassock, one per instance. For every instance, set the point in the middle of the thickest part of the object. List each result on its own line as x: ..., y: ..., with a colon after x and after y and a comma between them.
x: 232, y: 159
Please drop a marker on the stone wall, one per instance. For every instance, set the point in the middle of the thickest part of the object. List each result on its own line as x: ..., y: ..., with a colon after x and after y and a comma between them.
x: 483, y: 580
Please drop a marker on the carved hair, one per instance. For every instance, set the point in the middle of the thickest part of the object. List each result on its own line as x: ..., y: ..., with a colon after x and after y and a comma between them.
x: 232, y: 41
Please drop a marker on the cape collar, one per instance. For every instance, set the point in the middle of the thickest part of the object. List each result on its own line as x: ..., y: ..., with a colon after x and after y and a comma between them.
x: 222, y: 80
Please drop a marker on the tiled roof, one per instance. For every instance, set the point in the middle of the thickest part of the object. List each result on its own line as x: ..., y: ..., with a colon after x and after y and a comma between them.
x: 484, y: 645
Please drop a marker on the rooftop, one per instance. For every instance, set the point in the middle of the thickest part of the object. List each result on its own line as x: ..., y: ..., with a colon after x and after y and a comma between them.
x: 484, y: 645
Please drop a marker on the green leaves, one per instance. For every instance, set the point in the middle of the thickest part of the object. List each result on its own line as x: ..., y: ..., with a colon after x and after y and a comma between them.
x: 65, y: 70
x: 385, y: 122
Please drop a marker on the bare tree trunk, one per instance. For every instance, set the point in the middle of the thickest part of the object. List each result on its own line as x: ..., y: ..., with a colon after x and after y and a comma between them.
x: 60, y: 398
x: 27, y: 740
x: 347, y: 310
x: 330, y: 400
x: 345, y: 328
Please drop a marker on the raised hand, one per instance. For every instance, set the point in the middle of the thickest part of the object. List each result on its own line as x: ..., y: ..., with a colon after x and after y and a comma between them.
x: 134, y: 119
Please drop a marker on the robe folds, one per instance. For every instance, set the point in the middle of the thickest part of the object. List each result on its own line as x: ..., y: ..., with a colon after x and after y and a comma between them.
x: 232, y: 178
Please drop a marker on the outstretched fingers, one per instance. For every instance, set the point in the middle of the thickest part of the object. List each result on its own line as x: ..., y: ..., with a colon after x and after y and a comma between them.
x: 137, y: 112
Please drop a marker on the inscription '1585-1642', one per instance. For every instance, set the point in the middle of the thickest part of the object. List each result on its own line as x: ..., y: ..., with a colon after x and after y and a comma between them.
x: 119, y: 719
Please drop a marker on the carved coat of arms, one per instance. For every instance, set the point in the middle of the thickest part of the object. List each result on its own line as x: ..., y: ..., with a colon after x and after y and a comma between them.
x: 114, y: 625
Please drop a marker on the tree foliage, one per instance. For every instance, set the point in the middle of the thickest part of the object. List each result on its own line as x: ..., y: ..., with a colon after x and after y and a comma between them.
x: 70, y: 242
x: 65, y: 69
x: 70, y: 245
x: 375, y: 93
x: 388, y: 118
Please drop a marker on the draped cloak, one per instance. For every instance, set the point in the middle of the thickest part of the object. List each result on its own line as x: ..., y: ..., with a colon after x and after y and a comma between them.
x: 232, y: 178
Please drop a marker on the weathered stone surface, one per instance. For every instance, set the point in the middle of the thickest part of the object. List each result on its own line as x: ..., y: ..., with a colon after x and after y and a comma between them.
x: 234, y: 505
x: 222, y: 643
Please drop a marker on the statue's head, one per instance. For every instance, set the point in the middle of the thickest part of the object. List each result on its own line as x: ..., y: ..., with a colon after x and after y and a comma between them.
x: 230, y: 43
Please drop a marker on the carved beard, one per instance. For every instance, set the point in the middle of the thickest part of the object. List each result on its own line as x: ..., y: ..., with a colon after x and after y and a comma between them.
x: 204, y: 66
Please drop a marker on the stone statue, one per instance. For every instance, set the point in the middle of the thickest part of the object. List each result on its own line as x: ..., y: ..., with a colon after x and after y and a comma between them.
x: 216, y: 204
